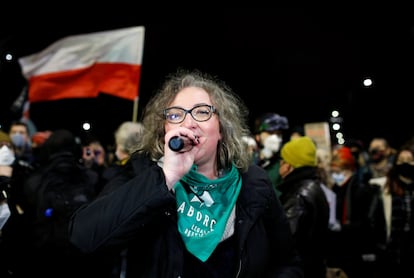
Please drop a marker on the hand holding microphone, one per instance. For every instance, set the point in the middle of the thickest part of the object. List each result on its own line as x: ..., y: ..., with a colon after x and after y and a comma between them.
x: 181, y: 143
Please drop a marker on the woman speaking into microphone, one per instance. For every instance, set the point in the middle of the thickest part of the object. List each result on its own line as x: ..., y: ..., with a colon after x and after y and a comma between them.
x: 196, y: 210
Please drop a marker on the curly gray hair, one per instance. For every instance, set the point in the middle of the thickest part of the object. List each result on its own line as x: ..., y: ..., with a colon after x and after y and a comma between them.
x: 231, y: 110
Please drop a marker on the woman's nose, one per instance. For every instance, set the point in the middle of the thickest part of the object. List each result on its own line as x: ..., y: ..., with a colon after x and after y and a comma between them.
x: 188, y: 121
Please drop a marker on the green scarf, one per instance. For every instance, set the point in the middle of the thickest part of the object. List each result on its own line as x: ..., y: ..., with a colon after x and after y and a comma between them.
x: 204, y: 207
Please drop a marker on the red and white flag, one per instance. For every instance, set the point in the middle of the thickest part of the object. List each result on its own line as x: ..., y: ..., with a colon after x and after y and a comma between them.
x: 82, y: 66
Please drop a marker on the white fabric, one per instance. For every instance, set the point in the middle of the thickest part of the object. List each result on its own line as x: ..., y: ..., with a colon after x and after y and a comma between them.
x: 82, y: 51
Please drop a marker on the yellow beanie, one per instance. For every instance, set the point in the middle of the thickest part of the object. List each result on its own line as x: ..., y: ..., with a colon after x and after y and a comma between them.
x: 299, y: 152
x: 4, y: 137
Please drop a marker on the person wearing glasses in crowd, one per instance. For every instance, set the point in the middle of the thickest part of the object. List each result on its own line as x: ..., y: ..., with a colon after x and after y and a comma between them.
x: 200, y: 211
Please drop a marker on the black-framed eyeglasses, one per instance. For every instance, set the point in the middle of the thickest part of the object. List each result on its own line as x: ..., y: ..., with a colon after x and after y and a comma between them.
x: 200, y: 113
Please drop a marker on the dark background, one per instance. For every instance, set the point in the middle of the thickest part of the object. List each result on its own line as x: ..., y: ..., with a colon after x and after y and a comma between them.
x: 301, y: 63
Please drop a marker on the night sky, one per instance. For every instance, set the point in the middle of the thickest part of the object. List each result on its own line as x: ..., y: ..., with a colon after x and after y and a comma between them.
x: 299, y: 63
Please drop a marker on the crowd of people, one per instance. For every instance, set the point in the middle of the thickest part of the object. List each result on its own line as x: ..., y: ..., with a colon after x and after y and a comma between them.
x: 234, y: 202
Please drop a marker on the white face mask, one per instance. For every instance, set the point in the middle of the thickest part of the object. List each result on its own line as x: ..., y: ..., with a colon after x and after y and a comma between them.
x: 271, y: 145
x: 338, y: 178
x: 4, y: 214
x: 6, y: 156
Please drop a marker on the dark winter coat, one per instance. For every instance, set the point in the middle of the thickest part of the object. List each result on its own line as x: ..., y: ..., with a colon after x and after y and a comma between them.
x: 307, y: 209
x: 141, y: 214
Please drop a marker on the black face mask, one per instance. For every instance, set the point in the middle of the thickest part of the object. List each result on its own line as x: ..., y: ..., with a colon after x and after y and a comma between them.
x: 376, y: 155
x: 406, y: 170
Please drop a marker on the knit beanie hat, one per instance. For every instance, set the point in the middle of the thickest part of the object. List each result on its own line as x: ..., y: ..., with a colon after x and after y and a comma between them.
x: 343, y: 158
x: 271, y: 122
x: 300, y: 152
x: 4, y: 137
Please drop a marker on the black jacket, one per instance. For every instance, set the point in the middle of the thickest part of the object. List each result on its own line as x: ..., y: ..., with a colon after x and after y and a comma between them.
x: 307, y: 209
x: 141, y: 215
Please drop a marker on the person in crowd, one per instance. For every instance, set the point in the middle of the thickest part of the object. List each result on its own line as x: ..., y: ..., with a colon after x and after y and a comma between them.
x: 20, y: 136
x: 24, y: 163
x: 54, y: 191
x: 297, y: 131
x: 199, y: 211
x: 392, y: 217
x: 252, y: 148
x: 126, y: 136
x: 323, y: 157
x: 7, y: 158
x: 38, y: 139
x: 269, y: 134
x: 23, y: 166
x: 304, y: 202
x: 95, y: 157
x: 381, y: 156
x: 13, y: 233
x: 349, y: 243
x: 361, y: 156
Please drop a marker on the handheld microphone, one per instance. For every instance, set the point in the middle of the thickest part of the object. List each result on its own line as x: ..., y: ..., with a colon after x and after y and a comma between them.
x: 180, y: 143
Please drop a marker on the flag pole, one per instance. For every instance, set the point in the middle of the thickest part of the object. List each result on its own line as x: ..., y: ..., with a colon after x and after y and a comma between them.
x: 135, y: 110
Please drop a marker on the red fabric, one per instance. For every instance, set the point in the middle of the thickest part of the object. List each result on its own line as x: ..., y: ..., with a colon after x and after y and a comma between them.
x: 120, y: 80
x: 343, y: 158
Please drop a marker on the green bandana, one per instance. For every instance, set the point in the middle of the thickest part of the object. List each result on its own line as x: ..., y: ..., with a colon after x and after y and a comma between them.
x: 204, y: 207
